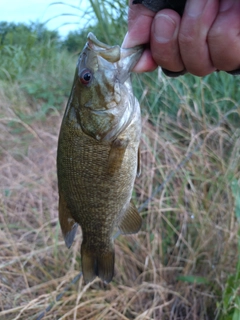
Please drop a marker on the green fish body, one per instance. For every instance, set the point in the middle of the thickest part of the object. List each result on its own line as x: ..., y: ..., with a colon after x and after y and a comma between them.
x: 98, y: 155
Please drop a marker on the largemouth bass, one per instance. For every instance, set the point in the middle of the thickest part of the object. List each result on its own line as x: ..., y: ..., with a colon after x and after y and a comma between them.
x: 98, y: 155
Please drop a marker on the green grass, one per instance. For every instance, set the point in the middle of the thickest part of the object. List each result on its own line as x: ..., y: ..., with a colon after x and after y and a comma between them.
x: 184, y: 263
x: 177, y: 95
x: 231, y: 294
x: 40, y: 69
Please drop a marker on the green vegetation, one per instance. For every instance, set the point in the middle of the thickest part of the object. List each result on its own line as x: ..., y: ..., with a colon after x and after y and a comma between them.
x: 185, y: 261
x: 33, y: 59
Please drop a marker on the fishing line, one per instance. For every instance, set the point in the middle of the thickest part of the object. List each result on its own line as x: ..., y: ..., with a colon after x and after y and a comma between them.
x: 143, y: 206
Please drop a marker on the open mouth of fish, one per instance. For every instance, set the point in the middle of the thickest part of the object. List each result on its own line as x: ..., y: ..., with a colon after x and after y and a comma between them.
x: 125, y: 59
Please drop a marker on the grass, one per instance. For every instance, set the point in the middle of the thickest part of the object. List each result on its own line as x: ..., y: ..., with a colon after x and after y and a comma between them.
x: 32, y: 60
x: 181, y: 265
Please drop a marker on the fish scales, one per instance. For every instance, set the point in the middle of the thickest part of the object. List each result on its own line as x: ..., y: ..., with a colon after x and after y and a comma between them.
x: 98, y: 155
x: 88, y: 170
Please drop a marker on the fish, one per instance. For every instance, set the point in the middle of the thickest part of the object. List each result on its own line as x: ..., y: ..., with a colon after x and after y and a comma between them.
x: 98, y: 155
x: 156, y: 5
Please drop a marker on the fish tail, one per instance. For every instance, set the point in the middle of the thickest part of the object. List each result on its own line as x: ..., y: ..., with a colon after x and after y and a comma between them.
x: 99, y: 264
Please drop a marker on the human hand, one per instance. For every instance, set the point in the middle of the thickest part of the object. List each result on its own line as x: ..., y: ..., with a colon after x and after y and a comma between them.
x: 205, y: 39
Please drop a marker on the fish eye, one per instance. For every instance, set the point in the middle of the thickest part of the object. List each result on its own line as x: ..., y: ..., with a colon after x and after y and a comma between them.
x: 85, y: 76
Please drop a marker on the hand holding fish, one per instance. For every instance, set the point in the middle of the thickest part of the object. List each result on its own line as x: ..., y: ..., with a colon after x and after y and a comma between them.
x: 206, y: 38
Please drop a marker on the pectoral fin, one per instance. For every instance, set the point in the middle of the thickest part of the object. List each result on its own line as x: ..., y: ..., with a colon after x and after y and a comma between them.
x: 116, y: 155
x: 131, y: 221
x: 67, y: 223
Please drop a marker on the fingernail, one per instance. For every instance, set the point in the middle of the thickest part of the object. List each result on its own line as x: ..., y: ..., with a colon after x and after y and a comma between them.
x: 195, y: 7
x: 225, y: 5
x: 164, y: 28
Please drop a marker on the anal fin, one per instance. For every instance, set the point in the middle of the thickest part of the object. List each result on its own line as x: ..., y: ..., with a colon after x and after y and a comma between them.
x: 67, y: 223
x: 131, y: 221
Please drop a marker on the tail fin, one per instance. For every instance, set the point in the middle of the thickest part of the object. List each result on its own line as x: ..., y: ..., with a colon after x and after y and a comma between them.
x: 99, y: 264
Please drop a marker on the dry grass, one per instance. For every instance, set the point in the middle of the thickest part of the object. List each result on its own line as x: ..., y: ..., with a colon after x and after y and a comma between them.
x: 174, y: 268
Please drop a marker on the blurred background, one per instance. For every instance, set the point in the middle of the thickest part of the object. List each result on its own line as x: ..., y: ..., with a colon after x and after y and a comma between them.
x: 60, y: 16
x: 184, y: 263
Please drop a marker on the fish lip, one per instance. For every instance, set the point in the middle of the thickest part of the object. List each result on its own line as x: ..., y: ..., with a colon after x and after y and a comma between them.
x: 93, y: 41
x: 109, y: 53
x: 127, y: 57
x: 126, y: 52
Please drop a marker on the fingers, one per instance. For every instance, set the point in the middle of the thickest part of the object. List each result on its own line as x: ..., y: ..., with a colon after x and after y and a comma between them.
x: 145, y: 63
x: 139, y: 26
x: 224, y: 38
x: 205, y: 39
x: 164, y: 40
x: 196, y: 22
x: 178, y: 44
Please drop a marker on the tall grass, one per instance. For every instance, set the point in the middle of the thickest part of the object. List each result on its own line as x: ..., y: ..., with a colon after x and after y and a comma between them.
x: 190, y: 90
x: 184, y: 263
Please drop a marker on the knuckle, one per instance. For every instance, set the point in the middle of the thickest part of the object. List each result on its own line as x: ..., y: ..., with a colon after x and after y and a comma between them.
x: 172, y: 63
x: 161, y: 58
x: 216, y: 32
x: 186, y: 38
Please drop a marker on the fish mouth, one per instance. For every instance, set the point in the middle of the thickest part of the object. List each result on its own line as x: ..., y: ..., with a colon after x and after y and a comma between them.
x: 130, y: 57
x: 125, y: 58
x: 109, y: 53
